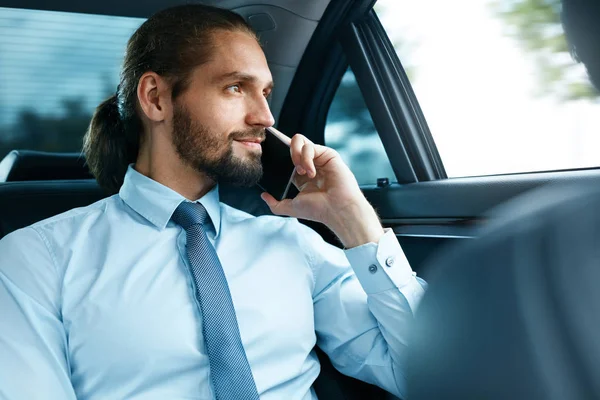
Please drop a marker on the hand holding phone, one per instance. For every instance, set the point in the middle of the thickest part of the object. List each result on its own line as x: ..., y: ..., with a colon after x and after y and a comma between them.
x: 328, y: 192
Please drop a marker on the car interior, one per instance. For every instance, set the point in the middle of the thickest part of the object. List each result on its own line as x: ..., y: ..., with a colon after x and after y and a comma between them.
x: 310, y: 45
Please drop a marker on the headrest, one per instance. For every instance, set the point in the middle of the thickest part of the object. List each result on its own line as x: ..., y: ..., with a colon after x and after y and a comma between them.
x: 30, y: 165
x: 514, y: 314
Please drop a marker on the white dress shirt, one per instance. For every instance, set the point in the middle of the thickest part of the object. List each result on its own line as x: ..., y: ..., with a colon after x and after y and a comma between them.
x: 98, y: 302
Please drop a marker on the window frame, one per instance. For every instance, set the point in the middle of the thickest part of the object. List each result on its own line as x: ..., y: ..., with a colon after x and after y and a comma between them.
x: 362, y: 44
x: 393, y: 105
x: 422, y: 140
x: 373, y: 177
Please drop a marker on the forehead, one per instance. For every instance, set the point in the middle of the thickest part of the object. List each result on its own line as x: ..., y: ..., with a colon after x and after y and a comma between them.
x: 235, y: 52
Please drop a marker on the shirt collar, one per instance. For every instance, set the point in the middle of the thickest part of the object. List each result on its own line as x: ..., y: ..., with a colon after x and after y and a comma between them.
x: 156, y: 202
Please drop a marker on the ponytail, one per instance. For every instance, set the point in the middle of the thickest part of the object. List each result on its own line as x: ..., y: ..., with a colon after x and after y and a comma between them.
x: 109, y: 147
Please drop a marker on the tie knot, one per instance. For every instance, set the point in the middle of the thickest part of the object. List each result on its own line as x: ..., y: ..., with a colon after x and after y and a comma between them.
x: 188, y: 214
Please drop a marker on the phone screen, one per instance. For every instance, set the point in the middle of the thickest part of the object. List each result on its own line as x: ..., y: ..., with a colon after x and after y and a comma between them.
x: 278, y: 168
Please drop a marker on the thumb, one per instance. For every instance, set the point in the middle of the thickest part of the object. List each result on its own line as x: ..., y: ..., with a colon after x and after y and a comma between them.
x: 283, y: 207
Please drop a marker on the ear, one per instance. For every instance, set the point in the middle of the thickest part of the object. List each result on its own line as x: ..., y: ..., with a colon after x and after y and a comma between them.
x: 154, y: 95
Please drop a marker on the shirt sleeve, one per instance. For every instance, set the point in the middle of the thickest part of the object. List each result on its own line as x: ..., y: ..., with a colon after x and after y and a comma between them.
x: 33, y: 362
x: 364, y: 299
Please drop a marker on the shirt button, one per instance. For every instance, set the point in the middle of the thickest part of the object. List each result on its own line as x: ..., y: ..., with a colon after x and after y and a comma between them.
x: 373, y: 268
x: 390, y: 261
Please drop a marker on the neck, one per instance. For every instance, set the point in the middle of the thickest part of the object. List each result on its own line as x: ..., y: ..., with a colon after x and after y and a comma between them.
x: 161, y: 163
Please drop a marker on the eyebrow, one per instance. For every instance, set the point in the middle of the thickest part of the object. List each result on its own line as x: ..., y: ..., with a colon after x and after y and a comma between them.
x: 240, y: 76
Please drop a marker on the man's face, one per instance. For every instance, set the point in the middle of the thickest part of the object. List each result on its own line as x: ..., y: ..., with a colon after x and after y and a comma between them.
x: 220, y: 120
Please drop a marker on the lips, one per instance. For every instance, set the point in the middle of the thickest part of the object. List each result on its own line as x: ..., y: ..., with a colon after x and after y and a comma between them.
x: 251, y: 140
x: 251, y: 143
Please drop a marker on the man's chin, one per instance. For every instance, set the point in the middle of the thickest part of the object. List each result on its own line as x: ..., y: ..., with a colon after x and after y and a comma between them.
x: 242, y: 174
x: 245, y: 154
x: 241, y: 181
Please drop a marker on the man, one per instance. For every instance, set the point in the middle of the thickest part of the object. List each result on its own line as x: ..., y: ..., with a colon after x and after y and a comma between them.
x: 163, y: 292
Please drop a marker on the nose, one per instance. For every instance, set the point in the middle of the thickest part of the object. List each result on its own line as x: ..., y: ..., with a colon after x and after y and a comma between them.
x: 259, y: 114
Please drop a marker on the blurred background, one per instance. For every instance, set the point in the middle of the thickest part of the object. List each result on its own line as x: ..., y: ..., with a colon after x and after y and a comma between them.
x: 55, y: 68
x: 494, y: 78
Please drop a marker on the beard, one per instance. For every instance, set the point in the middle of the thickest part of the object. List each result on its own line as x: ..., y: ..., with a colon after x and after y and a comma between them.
x: 212, y: 154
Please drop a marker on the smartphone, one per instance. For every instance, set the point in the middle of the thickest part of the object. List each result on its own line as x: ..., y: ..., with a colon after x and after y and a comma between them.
x: 278, y: 168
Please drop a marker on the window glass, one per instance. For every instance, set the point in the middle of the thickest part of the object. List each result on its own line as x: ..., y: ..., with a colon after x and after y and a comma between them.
x: 55, y: 68
x: 496, y: 83
x: 351, y: 132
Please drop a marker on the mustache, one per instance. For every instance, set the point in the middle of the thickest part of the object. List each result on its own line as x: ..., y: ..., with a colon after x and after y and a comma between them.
x: 253, y: 133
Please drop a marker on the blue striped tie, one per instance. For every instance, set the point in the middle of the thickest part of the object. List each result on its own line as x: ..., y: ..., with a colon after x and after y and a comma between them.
x: 229, y: 368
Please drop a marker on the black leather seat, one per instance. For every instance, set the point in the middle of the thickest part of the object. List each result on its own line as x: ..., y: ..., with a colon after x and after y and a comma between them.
x: 31, y: 165
x: 515, y: 313
x: 24, y: 203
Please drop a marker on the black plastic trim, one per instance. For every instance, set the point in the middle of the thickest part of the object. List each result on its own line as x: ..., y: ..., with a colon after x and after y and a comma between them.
x: 325, y: 90
x: 315, y: 83
x: 421, y: 137
x: 316, y: 66
x: 463, y: 198
x: 368, y: 66
x: 439, y: 232
x: 139, y: 9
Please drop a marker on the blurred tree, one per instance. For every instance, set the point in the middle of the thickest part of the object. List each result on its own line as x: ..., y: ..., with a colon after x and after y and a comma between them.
x: 349, y: 106
x: 109, y: 86
x: 60, y: 132
x: 69, y: 130
x: 536, y: 25
x: 48, y: 133
x: 31, y: 126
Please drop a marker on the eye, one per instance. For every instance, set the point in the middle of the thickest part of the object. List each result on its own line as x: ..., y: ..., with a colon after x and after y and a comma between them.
x: 234, y: 88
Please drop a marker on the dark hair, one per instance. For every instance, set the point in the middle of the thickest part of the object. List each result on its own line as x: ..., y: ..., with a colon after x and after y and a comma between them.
x: 171, y: 43
x: 581, y: 22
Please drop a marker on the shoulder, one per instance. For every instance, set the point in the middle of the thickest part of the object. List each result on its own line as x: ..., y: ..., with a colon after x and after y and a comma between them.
x: 62, y: 229
x: 40, y: 249
x: 18, y: 241
x: 28, y: 268
x: 79, y: 213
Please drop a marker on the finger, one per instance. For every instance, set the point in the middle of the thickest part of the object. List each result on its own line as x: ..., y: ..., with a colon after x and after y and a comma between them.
x: 298, y: 142
x: 323, y: 155
x: 283, y: 207
x: 308, y: 156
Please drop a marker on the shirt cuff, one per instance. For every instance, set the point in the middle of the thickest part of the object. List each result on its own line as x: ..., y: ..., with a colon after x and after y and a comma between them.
x: 380, y: 266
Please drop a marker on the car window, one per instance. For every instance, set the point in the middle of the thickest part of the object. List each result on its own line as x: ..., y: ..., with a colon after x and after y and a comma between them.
x: 55, y: 68
x: 350, y: 130
x: 497, y: 84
